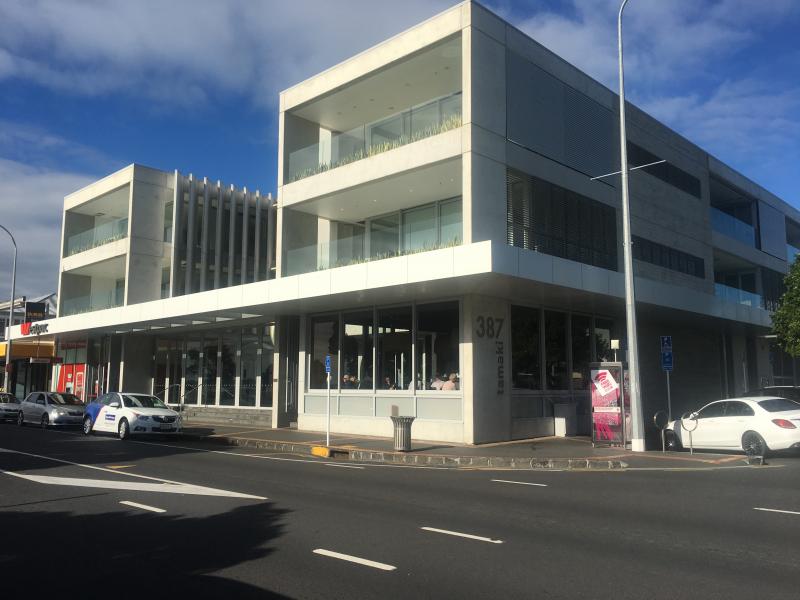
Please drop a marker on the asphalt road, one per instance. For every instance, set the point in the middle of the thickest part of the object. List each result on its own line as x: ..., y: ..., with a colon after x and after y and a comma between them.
x: 241, y: 524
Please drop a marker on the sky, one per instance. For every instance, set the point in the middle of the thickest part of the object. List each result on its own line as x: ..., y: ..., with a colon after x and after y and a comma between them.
x: 90, y: 86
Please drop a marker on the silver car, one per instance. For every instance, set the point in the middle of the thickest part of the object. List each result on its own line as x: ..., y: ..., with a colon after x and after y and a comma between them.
x: 9, y: 407
x: 51, y: 408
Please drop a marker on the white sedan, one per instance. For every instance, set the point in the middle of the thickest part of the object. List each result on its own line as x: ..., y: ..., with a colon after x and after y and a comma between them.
x: 130, y: 414
x: 755, y: 425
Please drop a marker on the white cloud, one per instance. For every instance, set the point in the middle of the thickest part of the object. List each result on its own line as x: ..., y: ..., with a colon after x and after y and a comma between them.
x: 31, y: 209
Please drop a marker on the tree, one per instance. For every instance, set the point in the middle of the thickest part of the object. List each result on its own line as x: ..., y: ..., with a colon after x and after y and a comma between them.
x: 786, y: 319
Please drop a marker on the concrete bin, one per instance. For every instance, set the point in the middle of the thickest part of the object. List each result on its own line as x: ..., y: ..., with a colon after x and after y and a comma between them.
x: 565, y: 419
x: 402, y: 433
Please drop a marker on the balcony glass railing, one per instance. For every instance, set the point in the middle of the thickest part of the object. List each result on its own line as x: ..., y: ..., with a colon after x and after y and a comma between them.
x: 737, y: 296
x: 405, y: 127
x: 103, y: 234
x: 791, y: 253
x: 728, y: 225
x: 96, y: 301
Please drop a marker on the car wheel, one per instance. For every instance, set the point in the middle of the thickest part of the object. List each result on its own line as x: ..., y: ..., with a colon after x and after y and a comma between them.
x: 754, y: 445
x: 87, y: 426
x: 671, y: 441
x: 45, y: 421
x: 20, y: 419
x: 124, y: 430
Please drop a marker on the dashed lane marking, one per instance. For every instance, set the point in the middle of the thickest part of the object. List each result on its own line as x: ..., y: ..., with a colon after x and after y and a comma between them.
x: 776, y: 510
x: 343, y: 466
x: 355, y: 559
x: 120, y: 466
x: 464, y: 535
x: 519, y: 482
x: 143, y: 506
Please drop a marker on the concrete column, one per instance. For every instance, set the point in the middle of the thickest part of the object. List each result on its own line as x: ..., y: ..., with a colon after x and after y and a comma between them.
x: 272, y: 216
x: 204, y: 235
x: 190, y: 235
x: 218, y: 236
x: 246, y: 197
x: 232, y: 237
x: 257, y: 245
x: 177, y: 218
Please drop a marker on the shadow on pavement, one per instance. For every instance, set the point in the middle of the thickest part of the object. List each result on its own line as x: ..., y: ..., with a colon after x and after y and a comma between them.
x: 125, y: 555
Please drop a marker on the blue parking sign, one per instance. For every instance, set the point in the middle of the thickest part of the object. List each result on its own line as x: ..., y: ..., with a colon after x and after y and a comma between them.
x: 328, y: 363
x: 666, y: 361
x: 666, y: 343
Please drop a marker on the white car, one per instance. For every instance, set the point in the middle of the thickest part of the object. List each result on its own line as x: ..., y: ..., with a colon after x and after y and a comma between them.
x: 755, y: 425
x: 130, y: 414
x: 51, y: 408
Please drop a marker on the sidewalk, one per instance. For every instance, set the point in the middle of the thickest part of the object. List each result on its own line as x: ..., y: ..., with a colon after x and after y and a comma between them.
x: 540, y: 453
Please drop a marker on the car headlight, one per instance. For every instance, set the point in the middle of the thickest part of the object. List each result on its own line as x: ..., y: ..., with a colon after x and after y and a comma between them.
x: 142, y: 417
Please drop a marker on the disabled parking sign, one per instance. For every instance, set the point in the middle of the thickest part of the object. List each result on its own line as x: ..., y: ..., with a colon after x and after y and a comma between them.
x: 328, y: 364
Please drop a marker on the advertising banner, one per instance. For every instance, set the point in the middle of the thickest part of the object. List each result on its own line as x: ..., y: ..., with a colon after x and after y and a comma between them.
x: 608, y: 415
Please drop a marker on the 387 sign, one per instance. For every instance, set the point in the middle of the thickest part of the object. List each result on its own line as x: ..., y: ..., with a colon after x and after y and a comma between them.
x: 489, y: 327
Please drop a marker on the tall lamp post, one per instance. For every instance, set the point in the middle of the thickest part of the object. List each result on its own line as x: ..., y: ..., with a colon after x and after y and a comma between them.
x: 637, y: 425
x: 7, y: 383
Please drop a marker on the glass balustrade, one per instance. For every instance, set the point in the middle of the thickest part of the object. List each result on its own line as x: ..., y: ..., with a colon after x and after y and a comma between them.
x: 737, y: 296
x: 415, y: 123
x: 102, y: 234
x: 96, y: 301
x: 728, y: 225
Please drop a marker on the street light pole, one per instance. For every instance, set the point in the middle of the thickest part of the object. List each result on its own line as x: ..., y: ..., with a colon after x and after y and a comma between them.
x: 7, y: 382
x: 637, y: 425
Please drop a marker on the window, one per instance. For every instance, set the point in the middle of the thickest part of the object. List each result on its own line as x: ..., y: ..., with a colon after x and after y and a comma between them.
x: 357, y: 335
x: 666, y: 172
x: 712, y: 410
x: 779, y: 405
x: 384, y: 236
x: 250, y: 367
x: 191, y: 371
x: 669, y: 258
x: 546, y: 218
x: 437, y: 346
x: 739, y: 409
x: 555, y: 347
x: 227, y: 388
x: 602, y: 340
x: 525, y: 353
x: 450, y: 227
x: 324, y: 341
x: 394, y: 348
x: 267, y: 356
x: 581, y: 351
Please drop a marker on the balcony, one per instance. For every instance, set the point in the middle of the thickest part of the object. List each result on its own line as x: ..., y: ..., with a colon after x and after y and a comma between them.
x: 98, y: 236
x: 726, y: 224
x: 95, y: 301
x: 405, y: 127
x: 737, y: 296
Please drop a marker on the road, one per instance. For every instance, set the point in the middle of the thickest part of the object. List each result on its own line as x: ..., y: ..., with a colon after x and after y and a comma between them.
x: 90, y: 517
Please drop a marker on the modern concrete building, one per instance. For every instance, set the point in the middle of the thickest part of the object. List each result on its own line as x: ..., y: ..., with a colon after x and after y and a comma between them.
x: 439, y: 236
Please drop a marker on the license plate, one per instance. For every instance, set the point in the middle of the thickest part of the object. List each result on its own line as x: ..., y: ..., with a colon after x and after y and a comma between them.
x: 166, y: 427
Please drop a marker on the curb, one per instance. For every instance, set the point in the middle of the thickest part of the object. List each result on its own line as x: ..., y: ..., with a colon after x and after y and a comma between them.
x: 422, y: 460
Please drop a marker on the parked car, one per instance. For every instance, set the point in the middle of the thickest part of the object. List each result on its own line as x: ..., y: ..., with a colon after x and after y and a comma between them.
x: 130, y: 414
x: 9, y: 407
x: 790, y: 392
x: 756, y: 425
x: 51, y: 408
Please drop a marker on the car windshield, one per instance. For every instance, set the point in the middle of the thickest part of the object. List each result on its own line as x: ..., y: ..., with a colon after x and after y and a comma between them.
x: 132, y: 401
x: 65, y: 399
x: 779, y: 405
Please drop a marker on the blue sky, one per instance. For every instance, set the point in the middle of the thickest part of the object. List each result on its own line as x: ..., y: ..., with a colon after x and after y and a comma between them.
x: 90, y: 86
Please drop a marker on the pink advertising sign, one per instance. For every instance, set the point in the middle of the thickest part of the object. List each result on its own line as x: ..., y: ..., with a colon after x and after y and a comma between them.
x: 607, y: 411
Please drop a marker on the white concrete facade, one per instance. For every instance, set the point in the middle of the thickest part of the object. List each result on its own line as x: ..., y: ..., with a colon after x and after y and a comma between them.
x: 442, y: 176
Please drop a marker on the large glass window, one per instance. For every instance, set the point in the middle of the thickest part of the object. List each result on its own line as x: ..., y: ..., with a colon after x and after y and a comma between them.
x: 525, y: 352
x: 358, y: 331
x: 581, y: 351
x: 324, y: 341
x: 250, y: 367
x: 267, y: 357
x: 209, y: 388
x: 602, y: 340
x: 419, y: 228
x: 191, y: 372
x: 349, y: 244
x: 227, y: 390
x: 450, y: 227
x: 555, y: 347
x: 394, y: 348
x: 384, y: 236
x: 437, y: 347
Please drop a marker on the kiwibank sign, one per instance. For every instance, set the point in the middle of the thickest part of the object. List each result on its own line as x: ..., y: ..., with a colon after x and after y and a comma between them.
x: 33, y: 328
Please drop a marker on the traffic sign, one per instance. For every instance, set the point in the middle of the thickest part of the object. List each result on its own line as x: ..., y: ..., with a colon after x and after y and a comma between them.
x: 666, y: 343
x: 328, y: 363
x: 666, y: 361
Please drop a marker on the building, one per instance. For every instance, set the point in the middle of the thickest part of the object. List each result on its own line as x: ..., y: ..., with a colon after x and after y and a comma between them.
x: 437, y: 233
x: 31, y: 359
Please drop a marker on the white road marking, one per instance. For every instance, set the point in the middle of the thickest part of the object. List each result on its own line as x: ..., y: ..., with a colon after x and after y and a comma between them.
x: 786, y: 512
x: 343, y: 466
x: 519, y: 482
x: 174, y: 487
x: 464, y: 535
x: 355, y: 559
x: 143, y: 506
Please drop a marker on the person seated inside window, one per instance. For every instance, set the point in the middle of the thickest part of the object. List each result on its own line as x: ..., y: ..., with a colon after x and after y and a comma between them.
x: 451, y: 383
x: 346, y: 384
x: 437, y: 383
x: 388, y: 384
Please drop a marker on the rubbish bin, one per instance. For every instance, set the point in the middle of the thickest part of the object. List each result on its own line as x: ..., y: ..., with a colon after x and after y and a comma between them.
x: 402, y: 433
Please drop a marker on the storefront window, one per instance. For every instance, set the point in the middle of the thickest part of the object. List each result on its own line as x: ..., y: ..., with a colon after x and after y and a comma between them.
x: 525, y: 354
x: 324, y: 341
x: 555, y: 346
x: 581, y: 351
x: 394, y: 348
x: 267, y: 356
x: 437, y: 347
x: 358, y: 331
x: 209, y: 395
x: 227, y: 390
x: 250, y: 367
x: 191, y: 370
x: 602, y: 340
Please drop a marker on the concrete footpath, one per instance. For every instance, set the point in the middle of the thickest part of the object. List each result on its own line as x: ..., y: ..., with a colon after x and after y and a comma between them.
x: 576, y: 453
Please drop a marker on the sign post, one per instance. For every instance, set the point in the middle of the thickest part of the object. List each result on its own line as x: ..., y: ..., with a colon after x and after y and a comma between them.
x: 328, y: 375
x: 666, y: 366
